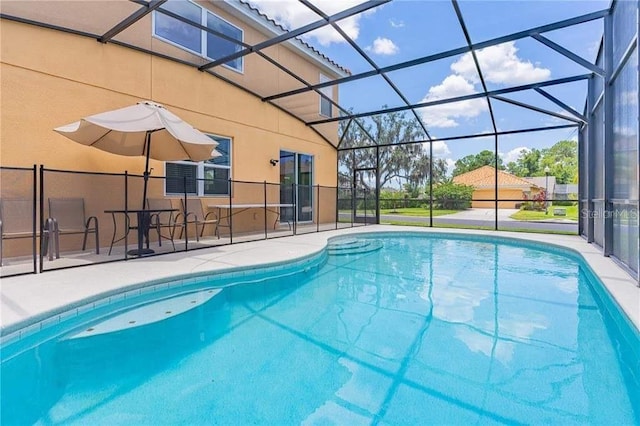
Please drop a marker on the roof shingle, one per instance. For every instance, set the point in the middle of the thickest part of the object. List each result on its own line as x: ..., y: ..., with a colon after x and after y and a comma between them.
x: 484, y: 177
x: 281, y: 27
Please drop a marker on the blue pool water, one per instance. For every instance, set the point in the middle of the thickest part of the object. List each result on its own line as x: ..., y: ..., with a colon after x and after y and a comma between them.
x: 408, y: 330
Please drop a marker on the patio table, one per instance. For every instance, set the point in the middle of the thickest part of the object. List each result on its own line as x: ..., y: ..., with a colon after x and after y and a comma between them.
x: 234, y: 209
x: 144, y: 222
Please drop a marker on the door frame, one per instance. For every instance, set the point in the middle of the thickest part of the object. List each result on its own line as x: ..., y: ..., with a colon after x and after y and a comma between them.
x: 373, y: 219
x: 297, y: 184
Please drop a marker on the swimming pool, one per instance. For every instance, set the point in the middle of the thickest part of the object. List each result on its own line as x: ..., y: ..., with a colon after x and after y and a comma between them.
x: 405, y: 330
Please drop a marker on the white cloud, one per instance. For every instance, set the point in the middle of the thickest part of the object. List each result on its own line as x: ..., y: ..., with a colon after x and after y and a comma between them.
x: 625, y: 131
x: 519, y: 327
x: 522, y: 326
x: 396, y: 24
x: 451, y: 165
x: 500, y: 64
x: 514, y: 154
x: 554, y: 121
x: 593, y: 48
x: 383, y: 46
x: 440, y: 148
x: 629, y: 98
x: 482, y: 343
x: 293, y: 14
x: 445, y: 115
x: 455, y: 303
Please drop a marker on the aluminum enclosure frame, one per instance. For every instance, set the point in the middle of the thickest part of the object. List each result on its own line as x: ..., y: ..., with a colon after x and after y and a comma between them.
x: 608, y: 71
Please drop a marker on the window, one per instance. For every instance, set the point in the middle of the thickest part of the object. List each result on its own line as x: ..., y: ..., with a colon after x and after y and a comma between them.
x: 206, y: 178
x: 325, y: 105
x: 176, y: 31
x: 194, y: 39
x: 218, y: 47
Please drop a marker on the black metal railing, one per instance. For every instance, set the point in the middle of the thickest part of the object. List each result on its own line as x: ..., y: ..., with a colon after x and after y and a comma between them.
x: 67, y: 205
x: 18, y: 220
x: 229, y: 212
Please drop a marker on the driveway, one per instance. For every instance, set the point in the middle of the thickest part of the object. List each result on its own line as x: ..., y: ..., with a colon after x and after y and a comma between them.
x: 482, y: 214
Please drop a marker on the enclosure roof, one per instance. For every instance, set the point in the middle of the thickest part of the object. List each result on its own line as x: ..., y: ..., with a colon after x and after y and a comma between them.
x: 337, y: 35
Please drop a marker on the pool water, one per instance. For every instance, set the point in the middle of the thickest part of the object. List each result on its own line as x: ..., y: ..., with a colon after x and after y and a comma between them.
x: 421, y: 330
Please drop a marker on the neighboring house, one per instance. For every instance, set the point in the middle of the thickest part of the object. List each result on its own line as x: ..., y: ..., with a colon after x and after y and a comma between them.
x: 566, y: 191
x: 556, y: 191
x: 511, y: 188
x: 51, y: 77
x: 542, y: 182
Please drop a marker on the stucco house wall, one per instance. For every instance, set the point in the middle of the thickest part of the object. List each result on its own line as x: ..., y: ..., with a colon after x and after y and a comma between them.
x: 50, y: 78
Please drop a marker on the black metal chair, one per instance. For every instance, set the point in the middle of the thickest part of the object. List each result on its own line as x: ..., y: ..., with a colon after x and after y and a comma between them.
x: 194, y: 213
x: 162, y: 220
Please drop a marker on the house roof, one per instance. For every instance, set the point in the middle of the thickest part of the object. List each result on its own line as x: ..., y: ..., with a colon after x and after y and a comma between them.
x: 278, y: 28
x: 543, y: 181
x: 484, y: 177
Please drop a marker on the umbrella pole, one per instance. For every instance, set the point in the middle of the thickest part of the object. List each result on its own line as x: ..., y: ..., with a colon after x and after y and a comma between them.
x: 147, y: 144
x: 143, y: 217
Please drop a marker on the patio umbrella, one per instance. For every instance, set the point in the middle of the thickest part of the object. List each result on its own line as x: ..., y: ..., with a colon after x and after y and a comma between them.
x: 145, y: 129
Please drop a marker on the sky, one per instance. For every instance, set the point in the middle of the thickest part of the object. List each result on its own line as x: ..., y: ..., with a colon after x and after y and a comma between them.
x: 408, y: 29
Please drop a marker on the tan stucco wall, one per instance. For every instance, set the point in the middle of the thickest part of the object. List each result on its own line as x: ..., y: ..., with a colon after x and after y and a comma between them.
x: 50, y: 78
x: 486, y: 194
x: 98, y: 16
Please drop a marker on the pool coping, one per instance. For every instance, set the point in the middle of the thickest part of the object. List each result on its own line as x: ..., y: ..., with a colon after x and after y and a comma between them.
x: 31, y: 300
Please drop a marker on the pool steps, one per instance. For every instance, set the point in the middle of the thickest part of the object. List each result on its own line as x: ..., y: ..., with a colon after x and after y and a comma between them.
x: 353, y: 246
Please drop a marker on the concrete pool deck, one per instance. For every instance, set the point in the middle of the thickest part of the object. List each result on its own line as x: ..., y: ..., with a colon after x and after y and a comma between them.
x: 27, y: 299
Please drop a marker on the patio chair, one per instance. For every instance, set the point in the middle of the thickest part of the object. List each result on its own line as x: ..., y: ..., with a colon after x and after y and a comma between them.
x: 195, y: 214
x: 16, y: 221
x: 68, y: 216
x: 162, y: 220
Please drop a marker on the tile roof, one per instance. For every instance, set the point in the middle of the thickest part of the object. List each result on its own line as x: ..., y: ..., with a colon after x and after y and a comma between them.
x: 281, y: 27
x: 484, y: 177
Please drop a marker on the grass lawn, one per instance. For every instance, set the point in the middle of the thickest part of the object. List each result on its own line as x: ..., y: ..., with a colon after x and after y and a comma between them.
x: 572, y: 214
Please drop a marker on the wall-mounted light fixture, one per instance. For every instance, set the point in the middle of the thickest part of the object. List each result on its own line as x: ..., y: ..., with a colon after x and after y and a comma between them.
x: 273, y: 162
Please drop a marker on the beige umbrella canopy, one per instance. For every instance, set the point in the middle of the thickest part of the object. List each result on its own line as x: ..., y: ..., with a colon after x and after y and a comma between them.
x: 145, y: 129
x: 124, y: 131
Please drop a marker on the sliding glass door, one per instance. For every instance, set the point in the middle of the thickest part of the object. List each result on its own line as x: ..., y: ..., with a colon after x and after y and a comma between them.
x: 296, y: 186
x: 287, y: 184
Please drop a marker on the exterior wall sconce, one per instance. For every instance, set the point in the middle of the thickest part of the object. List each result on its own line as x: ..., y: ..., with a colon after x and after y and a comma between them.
x: 273, y: 162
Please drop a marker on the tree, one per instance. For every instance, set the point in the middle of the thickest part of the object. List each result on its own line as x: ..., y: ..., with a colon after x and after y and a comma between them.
x: 409, y: 162
x: 562, y: 160
x: 391, y: 199
x: 454, y: 196
x: 475, y: 161
x: 527, y: 164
